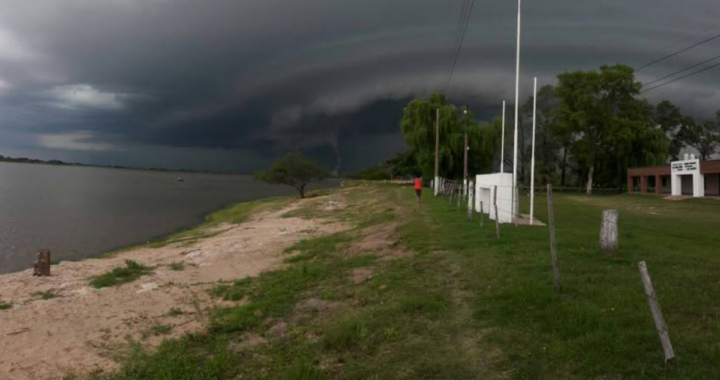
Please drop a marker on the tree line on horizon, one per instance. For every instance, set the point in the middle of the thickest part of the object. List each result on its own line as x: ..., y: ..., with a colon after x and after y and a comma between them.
x: 591, y: 127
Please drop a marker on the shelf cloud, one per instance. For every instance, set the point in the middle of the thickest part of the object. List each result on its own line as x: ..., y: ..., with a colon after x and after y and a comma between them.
x: 227, y: 78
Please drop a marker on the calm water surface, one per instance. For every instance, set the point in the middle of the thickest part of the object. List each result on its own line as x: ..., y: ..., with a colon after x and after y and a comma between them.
x: 78, y: 212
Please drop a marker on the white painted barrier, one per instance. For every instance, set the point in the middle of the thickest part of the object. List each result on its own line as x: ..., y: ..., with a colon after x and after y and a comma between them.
x: 484, y: 185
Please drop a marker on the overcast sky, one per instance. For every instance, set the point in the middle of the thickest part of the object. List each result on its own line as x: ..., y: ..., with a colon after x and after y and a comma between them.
x: 230, y: 84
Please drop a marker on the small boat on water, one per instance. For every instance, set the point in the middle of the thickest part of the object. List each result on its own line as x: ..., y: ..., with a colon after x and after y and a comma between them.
x: 179, y: 179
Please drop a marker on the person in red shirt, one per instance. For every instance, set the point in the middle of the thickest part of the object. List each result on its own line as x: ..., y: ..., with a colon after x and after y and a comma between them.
x: 418, y: 189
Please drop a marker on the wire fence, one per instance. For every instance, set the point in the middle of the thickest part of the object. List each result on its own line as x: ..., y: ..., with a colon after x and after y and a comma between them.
x: 608, y: 225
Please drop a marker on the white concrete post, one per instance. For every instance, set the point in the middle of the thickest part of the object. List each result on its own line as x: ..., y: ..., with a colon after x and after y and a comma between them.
x: 517, y: 100
x: 502, y: 142
x: 532, y: 165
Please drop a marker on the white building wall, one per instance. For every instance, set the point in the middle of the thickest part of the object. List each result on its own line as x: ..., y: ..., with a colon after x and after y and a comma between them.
x: 687, y: 168
x: 484, y: 188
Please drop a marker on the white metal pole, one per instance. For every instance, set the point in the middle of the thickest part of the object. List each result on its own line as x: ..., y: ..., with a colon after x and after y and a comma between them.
x: 532, y: 165
x: 502, y: 142
x: 517, y: 101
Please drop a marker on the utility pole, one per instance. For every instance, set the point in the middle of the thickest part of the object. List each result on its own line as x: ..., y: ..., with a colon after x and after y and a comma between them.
x: 437, y: 151
x: 465, y: 164
x: 513, y: 206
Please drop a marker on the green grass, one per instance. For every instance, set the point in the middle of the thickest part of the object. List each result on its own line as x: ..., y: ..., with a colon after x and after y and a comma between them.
x: 234, y: 291
x: 467, y: 306
x: 174, y: 312
x: 46, y: 295
x: 4, y: 305
x: 120, y: 275
x: 178, y: 266
x: 160, y: 329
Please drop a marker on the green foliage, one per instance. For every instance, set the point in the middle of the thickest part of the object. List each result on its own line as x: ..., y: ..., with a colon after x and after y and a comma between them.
x: 120, y: 275
x: 4, y: 305
x: 403, y: 165
x: 418, y: 129
x: 703, y: 137
x: 608, y: 127
x: 174, y: 312
x: 374, y: 173
x: 296, y: 170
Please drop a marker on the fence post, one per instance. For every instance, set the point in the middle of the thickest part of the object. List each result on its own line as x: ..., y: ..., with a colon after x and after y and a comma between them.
x: 481, y: 214
x: 459, y: 197
x: 551, y: 227
x: 609, y: 231
x: 470, y: 194
x: 656, y: 312
x: 497, y: 217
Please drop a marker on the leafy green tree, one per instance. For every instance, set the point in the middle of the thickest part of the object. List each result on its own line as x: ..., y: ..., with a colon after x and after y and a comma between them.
x: 296, y: 170
x: 547, y: 145
x: 605, y: 120
x: 402, y: 164
x: 670, y: 120
x: 418, y: 129
x: 705, y: 138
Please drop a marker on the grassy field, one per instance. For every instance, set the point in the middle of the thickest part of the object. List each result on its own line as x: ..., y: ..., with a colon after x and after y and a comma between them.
x: 465, y: 305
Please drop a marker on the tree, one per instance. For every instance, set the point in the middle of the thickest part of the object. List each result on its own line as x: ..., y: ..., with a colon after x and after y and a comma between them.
x: 296, y: 170
x: 670, y: 120
x: 705, y: 138
x: 402, y: 164
x: 418, y: 129
x: 547, y: 144
x: 604, y: 120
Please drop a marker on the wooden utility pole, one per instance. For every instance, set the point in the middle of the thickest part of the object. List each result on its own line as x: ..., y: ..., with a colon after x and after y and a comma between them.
x: 465, y: 157
x: 551, y: 228
x: 656, y: 312
x: 437, y: 147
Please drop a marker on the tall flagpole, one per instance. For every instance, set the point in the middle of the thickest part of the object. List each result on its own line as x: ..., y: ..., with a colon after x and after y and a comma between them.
x: 502, y: 144
x: 517, y: 101
x: 532, y: 165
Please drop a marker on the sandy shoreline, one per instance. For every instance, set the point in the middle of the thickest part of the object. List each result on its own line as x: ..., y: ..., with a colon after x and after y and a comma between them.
x: 81, y: 326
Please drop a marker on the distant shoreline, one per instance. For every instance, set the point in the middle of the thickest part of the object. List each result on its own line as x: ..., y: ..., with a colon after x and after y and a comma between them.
x: 33, y: 161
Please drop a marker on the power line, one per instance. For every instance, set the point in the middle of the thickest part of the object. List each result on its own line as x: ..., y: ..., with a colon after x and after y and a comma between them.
x: 677, y: 52
x: 683, y: 70
x: 676, y: 44
x: 460, y: 38
x: 682, y: 77
x: 460, y: 22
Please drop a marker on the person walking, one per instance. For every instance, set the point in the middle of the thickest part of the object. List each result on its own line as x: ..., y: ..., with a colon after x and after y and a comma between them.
x: 418, y: 189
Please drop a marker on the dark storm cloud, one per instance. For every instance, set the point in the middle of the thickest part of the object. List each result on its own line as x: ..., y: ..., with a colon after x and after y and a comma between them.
x: 191, y: 83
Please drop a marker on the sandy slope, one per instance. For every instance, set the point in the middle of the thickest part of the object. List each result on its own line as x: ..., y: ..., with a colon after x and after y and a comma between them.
x: 79, y: 328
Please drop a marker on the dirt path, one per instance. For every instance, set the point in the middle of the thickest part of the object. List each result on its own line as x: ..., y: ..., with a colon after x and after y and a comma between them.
x: 81, y: 326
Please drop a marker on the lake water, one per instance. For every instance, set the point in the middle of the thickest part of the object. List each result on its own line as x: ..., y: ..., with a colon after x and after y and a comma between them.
x: 78, y: 212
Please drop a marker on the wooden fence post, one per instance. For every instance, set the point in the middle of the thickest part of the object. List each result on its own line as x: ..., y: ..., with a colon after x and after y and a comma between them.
x: 497, y: 217
x: 459, y: 197
x: 656, y: 312
x: 609, y: 231
x: 42, y: 263
x: 551, y: 227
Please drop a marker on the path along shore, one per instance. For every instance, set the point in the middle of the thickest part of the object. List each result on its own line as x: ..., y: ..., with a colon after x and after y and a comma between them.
x: 82, y: 327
